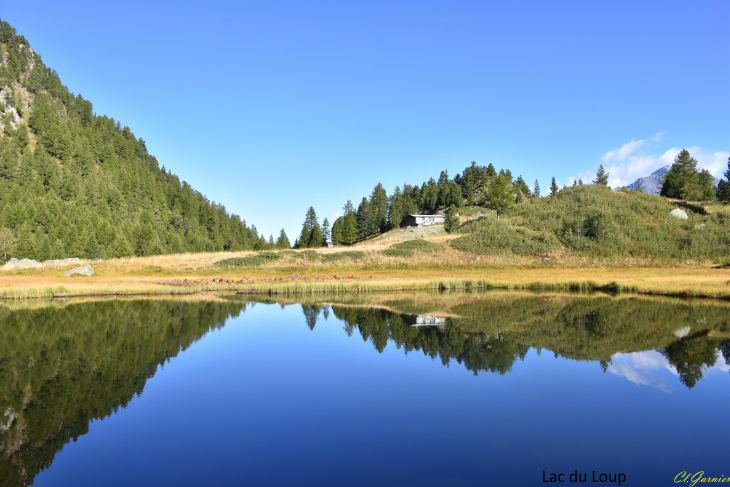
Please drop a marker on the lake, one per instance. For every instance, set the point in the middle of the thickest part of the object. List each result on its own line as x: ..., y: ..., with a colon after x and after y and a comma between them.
x: 384, y: 389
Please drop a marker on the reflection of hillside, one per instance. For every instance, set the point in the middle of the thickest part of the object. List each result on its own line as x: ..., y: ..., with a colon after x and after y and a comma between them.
x: 492, y: 332
x: 62, y: 367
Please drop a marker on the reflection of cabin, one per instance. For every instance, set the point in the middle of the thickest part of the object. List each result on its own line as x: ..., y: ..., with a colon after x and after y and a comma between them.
x: 418, y: 220
x: 423, y: 320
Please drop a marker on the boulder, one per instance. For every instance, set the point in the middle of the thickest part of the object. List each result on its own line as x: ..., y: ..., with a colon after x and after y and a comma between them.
x: 72, y: 260
x: 84, y: 270
x: 681, y: 214
x: 22, y: 264
x: 701, y: 226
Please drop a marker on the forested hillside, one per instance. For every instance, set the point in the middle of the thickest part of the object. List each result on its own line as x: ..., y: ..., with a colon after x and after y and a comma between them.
x: 74, y: 184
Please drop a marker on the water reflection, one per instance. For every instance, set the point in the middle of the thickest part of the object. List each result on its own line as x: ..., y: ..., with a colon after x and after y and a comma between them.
x: 61, y: 366
x: 626, y: 336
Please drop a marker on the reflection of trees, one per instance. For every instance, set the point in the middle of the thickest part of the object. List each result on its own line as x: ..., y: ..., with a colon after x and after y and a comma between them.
x: 690, y: 354
x: 491, y: 334
x: 62, y: 367
x: 477, y: 352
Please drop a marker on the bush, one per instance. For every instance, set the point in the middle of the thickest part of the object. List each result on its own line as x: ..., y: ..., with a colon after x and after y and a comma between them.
x: 250, y: 260
x: 489, y: 236
x: 308, y: 254
x: 418, y: 245
x: 346, y: 255
x: 393, y: 252
x: 407, y: 248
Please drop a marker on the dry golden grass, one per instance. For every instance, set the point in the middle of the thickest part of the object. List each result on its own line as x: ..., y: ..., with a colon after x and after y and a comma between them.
x: 443, y: 269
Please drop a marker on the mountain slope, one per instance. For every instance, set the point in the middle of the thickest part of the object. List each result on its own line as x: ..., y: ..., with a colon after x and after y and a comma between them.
x: 74, y: 184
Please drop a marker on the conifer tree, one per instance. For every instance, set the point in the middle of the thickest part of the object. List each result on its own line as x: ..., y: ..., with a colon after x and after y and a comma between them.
x: 7, y: 243
x: 723, y: 187
x: 337, y: 229
x: 350, y: 231
x: 553, y: 187
x: 311, y: 235
x: 363, y: 220
x: 684, y: 181
x: 536, y: 190
x: 639, y: 188
x: 451, y: 222
x: 500, y: 195
x: 325, y: 232
x: 601, y: 176
x: 282, y: 242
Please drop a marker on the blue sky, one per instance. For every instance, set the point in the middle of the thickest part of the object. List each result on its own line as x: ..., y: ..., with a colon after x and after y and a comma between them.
x: 270, y: 107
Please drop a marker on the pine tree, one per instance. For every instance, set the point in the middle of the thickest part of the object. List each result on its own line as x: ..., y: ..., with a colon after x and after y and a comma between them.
x: 311, y: 235
x: 723, y: 187
x: 350, y: 231
x: 580, y: 182
x: 500, y: 195
x: 683, y: 181
x: 536, y: 190
x: 325, y: 232
x: 282, y: 242
x: 337, y: 228
x: 639, y: 188
x: 451, y: 222
x: 601, y: 176
x: 7, y: 243
x: 553, y: 187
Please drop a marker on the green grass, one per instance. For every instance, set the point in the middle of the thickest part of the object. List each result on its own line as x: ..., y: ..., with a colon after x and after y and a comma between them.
x: 595, y: 221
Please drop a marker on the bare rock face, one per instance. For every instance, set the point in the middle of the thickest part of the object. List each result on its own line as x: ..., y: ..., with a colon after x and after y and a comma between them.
x: 84, y: 270
x: 56, y: 262
x: 681, y: 214
x: 22, y: 264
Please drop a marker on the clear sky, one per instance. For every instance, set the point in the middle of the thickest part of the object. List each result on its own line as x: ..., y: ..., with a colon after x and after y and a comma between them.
x: 270, y: 107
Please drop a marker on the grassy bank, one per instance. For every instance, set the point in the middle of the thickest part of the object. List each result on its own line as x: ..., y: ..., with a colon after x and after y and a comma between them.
x: 698, y: 282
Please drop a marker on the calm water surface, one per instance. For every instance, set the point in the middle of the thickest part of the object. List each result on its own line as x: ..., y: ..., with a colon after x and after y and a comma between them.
x: 384, y: 390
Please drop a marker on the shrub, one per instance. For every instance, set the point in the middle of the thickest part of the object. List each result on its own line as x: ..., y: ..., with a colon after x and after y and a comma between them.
x: 418, y: 245
x: 250, y: 260
x: 308, y: 254
x: 393, y: 252
x: 346, y: 255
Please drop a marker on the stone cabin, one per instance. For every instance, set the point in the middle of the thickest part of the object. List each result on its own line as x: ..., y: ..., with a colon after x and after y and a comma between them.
x: 418, y: 220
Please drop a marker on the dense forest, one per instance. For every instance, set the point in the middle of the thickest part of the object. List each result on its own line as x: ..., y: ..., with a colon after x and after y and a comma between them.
x: 75, y: 184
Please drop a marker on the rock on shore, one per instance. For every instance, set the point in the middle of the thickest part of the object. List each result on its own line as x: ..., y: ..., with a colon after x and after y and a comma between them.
x: 22, y: 264
x: 84, y: 270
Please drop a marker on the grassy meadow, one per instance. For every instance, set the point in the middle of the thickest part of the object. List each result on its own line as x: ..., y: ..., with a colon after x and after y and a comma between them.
x: 585, y: 238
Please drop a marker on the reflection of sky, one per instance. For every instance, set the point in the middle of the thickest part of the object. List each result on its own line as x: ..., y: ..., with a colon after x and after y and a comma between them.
x: 651, y: 368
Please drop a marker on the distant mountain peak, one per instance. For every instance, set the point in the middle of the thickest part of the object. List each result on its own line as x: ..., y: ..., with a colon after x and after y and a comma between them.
x: 651, y: 184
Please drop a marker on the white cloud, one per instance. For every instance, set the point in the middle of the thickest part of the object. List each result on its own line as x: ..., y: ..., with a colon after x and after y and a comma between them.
x: 634, y: 159
x: 645, y: 368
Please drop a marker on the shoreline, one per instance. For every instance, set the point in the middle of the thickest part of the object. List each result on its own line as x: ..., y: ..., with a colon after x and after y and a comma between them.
x: 705, y: 284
